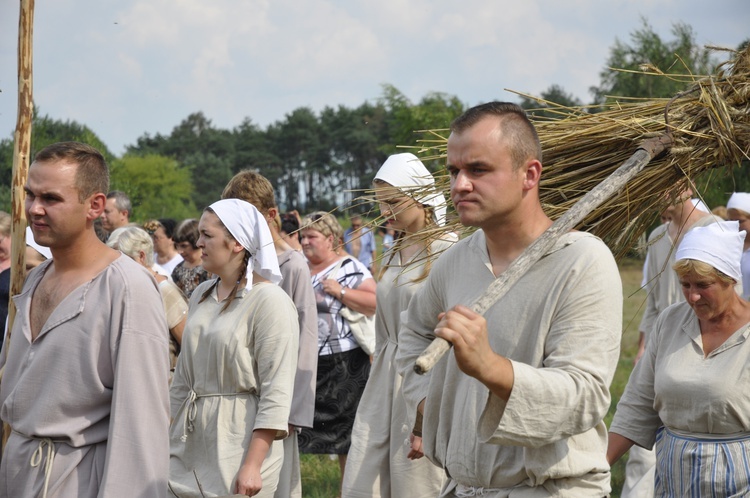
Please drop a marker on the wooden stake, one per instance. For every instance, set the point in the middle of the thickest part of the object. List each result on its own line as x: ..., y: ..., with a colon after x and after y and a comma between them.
x: 498, y: 288
x: 21, y: 152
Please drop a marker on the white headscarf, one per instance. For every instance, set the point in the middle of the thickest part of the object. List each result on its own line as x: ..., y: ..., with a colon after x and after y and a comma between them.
x: 700, y: 205
x: 44, y: 251
x: 739, y: 200
x: 406, y: 172
x: 718, y: 244
x: 249, y: 228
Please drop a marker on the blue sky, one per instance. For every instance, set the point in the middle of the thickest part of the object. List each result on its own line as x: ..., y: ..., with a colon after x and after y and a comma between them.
x: 126, y: 67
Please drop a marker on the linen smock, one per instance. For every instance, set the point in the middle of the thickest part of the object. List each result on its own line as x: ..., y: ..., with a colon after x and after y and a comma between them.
x: 234, y: 375
x: 676, y: 386
x: 377, y: 465
x: 343, y: 367
x: 560, y: 327
x: 90, y: 393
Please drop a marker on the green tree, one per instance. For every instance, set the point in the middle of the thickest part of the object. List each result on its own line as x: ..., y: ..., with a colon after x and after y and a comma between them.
x: 301, y: 144
x: 207, y: 152
x: 355, y: 137
x: 405, y: 120
x: 554, y: 94
x: 253, y: 149
x: 157, y: 185
x: 45, y: 131
x: 679, y: 56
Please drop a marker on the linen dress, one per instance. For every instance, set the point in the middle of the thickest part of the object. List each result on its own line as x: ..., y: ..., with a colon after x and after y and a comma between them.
x: 234, y: 374
x: 377, y: 465
x: 560, y: 327
x: 676, y: 386
x: 90, y: 393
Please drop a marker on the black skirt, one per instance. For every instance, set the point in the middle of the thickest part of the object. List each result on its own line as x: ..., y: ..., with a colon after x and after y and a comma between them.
x: 341, y: 380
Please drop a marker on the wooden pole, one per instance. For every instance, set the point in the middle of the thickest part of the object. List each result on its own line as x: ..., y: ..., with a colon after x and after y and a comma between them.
x: 21, y: 152
x: 500, y: 286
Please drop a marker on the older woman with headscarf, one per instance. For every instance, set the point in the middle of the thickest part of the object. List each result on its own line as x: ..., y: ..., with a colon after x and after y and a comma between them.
x: 232, y: 389
x: 384, y: 457
x: 338, y: 281
x: 687, y: 394
x: 738, y: 209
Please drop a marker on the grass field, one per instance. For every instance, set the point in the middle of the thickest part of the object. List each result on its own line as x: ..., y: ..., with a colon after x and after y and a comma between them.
x: 320, y: 474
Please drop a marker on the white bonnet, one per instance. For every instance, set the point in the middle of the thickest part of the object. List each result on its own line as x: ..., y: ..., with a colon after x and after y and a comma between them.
x: 249, y: 228
x: 739, y: 200
x: 718, y: 244
x: 407, y: 173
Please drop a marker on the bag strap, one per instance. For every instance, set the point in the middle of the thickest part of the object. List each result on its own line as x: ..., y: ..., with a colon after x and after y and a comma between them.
x: 335, y: 270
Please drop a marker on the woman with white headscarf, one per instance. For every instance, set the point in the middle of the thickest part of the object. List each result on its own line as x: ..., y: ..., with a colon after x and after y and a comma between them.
x: 738, y: 209
x: 384, y: 459
x: 232, y: 389
x: 688, y: 393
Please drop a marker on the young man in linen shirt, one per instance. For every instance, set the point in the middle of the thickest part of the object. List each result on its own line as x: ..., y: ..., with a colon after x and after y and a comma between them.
x: 85, y: 383
x: 517, y: 407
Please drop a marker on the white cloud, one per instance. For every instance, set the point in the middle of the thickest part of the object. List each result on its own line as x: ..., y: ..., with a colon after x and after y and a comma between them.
x: 125, y: 67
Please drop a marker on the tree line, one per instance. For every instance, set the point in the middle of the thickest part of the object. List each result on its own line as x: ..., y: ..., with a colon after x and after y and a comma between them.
x: 320, y: 160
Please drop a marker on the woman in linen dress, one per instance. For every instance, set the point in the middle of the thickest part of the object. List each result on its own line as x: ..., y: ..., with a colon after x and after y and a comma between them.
x: 342, y: 365
x: 687, y: 394
x: 231, y: 394
x: 385, y: 457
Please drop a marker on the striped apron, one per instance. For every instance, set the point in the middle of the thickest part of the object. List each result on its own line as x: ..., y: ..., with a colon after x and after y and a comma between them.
x: 702, y: 465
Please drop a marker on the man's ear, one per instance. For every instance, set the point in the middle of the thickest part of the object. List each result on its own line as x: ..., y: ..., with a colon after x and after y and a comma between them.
x: 532, y: 174
x: 96, y: 204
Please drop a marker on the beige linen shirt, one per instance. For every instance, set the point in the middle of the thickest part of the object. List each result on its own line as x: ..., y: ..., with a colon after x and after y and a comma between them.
x: 95, y: 382
x: 296, y: 283
x: 676, y: 385
x: 235, y: 374
x: 377, y: 464
x: 560, y: 326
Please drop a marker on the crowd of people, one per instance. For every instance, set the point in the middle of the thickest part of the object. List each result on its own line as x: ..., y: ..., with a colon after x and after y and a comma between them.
x: 200, y: 358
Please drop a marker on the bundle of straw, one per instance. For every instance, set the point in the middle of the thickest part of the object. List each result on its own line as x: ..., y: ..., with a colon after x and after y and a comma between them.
x: 710, y: 125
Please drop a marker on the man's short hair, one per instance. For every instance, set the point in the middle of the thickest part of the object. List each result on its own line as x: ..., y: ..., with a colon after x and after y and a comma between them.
x: 251, y: 186
x: 517, y: 129
x: 92, y: 173
x: 122, y: 201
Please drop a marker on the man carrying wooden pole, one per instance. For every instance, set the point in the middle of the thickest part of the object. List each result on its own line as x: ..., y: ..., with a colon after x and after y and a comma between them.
x: 519, y: 408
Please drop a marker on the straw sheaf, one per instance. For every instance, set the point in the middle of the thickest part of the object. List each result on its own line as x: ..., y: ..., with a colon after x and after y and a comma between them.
x: 710, y: 126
